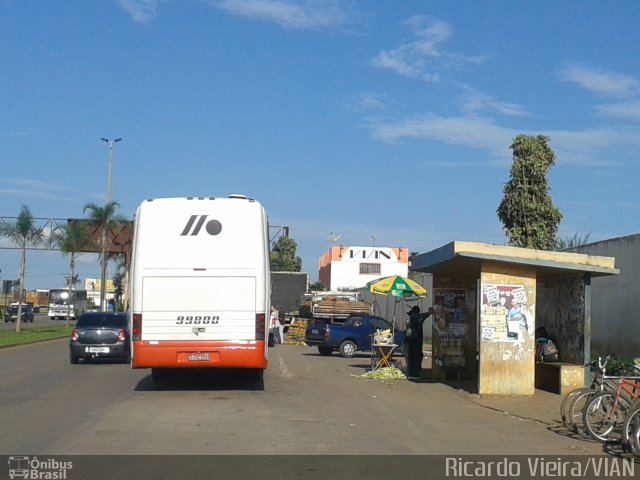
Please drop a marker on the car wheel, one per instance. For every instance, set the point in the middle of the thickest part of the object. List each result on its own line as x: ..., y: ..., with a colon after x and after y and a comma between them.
x: 73, y: 359
x: 348, y: 349
x: 325, y: 351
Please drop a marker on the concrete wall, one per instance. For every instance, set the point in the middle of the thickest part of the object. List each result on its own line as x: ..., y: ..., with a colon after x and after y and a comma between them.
x: 615, y: 301
x: 507, y: 351
x: 560, y: 309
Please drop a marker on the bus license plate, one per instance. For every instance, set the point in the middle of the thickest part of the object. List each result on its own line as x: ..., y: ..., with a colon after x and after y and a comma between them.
x: 198, y: 357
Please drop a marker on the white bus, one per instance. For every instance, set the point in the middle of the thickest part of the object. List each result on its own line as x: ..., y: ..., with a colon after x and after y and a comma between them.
x: 200, y: 287
x: 61, y: 302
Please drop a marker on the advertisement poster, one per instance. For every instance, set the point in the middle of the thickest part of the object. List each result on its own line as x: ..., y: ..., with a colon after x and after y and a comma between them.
x: 450, y: 316
x: 93, y: 284
x: 506, y: 313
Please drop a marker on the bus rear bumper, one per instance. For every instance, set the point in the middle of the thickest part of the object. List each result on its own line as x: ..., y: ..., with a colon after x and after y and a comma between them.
x: 218, y: 354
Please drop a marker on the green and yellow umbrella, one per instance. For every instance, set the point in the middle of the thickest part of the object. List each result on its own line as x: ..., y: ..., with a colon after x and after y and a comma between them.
x: 396, y: 286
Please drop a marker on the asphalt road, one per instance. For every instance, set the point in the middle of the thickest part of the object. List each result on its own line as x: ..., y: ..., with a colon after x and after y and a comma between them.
x: 308, y: 405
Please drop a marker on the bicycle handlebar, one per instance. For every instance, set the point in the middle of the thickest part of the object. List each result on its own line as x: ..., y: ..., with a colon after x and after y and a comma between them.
x: 602, y: 366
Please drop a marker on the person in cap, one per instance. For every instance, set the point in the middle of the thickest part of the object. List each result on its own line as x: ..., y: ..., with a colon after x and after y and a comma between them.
x: 414, y: 341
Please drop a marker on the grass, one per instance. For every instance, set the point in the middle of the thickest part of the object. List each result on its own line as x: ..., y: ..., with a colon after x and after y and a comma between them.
x: 9, y: 338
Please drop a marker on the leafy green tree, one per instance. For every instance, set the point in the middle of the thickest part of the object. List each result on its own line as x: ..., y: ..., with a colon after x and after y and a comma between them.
x: 23, y: 233
x: 526, y: 210
x: 105, y: 218
x: 316, y: 287
x: 73, y: 238
x: 283, y: 256
x: 570, y: 242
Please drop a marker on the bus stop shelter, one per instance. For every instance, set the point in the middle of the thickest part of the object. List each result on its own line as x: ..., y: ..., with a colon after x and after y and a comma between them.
x: 490, y: 303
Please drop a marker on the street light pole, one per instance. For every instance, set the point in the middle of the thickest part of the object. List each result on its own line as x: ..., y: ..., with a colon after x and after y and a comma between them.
x: 110, y: 142
x: 103, y: 273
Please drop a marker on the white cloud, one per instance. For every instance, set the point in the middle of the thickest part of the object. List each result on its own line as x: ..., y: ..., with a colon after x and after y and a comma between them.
x: 369, y: 102
x: 472, y: 132
x: 28, y: 188
x: 425, y: 57
x: 574, y: 147
x: 622, y: 111
x: 474, y: 102
x: 140, y: 11
x: 601, y: 82
x: 306, y: 15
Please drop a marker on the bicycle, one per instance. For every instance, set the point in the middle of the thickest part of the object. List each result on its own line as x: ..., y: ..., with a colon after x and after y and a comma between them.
x: 631, y: 427
x: 573, y: 403
x: 605, y: 413
x: 631, y: 430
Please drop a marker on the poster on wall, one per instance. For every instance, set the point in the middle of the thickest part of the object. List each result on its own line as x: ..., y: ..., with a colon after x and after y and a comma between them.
x: 506, y: 313
x: 450, y: 312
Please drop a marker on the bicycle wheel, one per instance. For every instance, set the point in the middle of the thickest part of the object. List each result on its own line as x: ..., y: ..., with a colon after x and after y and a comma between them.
x: 634, y: 440
x: 565, y: 407
x: 576, y: 409
x: 630, y: 428
x: 604, y: 415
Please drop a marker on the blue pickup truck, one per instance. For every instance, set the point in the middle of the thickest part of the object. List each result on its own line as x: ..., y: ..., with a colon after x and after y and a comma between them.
x: 354, y: 334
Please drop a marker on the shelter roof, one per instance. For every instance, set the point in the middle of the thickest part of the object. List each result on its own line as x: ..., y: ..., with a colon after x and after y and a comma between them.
x: 465, y: 258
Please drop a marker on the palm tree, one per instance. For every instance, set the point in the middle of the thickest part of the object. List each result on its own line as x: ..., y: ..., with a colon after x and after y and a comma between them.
x: 571, y: 242
x: 23, y: 233
x: 120, y: 280
x: 118, y: 289
x: 105, y: 218
x: 73, y: 238
x: 71, y: 281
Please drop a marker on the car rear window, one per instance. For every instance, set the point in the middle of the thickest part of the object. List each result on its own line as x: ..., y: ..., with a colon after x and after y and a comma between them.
x: 14, y: 308
x: 102, y: 320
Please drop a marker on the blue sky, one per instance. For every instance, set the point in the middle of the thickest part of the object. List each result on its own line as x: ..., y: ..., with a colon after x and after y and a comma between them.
x: 366, y: 119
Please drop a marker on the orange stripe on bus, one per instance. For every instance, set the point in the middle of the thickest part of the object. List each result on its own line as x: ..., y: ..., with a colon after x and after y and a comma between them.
x: 175, y: 354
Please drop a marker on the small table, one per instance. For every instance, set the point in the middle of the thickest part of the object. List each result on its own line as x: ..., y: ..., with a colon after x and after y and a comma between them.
x: 382, y: 354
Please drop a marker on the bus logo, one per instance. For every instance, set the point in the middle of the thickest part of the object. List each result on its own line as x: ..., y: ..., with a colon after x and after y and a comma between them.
x: 213, y: 227
x: 18, y: 467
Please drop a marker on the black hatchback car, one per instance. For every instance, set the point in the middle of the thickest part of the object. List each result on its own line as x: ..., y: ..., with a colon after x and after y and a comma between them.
x: 11, y: 315
x: 100, y: 335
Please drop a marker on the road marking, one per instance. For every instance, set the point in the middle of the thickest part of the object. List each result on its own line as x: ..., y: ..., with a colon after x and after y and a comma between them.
x: 284, y: 371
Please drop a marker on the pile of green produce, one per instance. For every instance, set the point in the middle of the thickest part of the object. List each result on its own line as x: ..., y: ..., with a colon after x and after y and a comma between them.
x: 386, y: 373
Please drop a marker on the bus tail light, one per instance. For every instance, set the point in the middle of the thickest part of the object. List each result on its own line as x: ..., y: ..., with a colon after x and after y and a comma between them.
x: 136, y: 327
x: 260, y: 326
